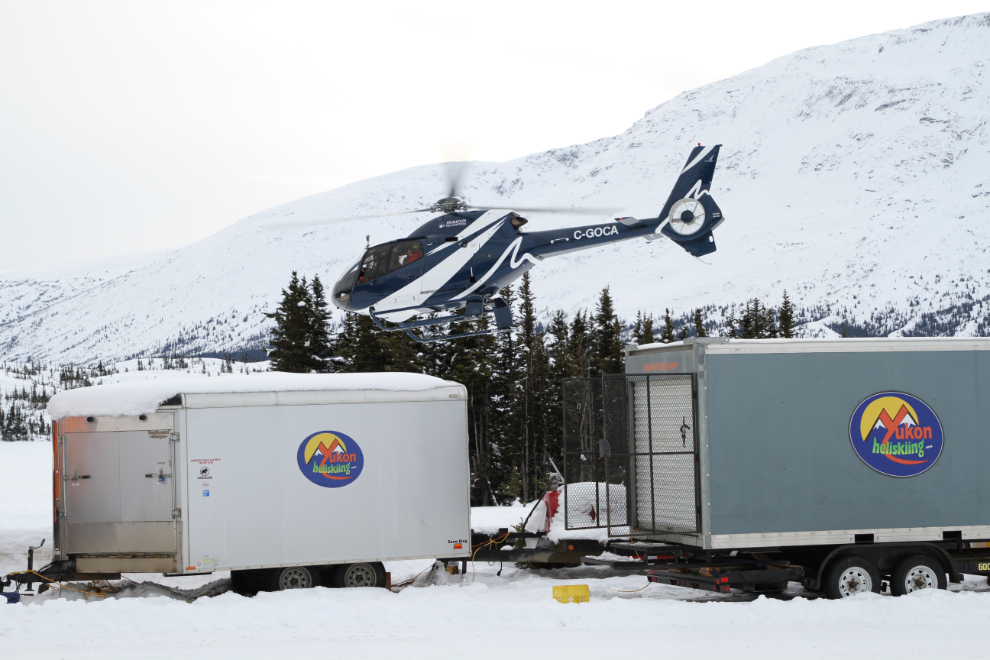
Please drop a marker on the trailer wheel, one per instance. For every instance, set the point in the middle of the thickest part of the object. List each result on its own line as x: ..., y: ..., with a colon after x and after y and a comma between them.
x: 292, y: 577
x: 370, y: 574
x: 849, y: 576
x: 915, y: 573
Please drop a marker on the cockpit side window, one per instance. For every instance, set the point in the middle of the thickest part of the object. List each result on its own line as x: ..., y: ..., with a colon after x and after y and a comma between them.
x: 405, y: 253
x: 374, y: 262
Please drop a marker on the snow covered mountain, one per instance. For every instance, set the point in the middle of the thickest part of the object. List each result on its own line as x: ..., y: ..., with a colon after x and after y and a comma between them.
x: 855, y: 175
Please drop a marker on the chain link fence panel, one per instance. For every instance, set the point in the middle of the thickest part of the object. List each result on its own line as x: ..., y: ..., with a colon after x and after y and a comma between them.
x: 630, y: 454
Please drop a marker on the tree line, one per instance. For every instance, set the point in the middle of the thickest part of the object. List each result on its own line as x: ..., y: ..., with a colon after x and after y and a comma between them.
x: 514, y: 378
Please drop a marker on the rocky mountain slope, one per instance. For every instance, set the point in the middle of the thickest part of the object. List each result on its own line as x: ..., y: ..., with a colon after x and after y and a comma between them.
x: 854, y: 175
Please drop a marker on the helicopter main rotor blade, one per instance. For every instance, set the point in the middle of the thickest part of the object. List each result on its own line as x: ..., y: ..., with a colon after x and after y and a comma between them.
x: 455, y: 172
x: 331, y: 221
x: 549, y: 209
x: 456, y: 156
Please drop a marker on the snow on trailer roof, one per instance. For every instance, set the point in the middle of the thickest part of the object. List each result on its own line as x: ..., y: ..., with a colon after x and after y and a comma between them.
x: 270, y: 388
x: 815, y: 344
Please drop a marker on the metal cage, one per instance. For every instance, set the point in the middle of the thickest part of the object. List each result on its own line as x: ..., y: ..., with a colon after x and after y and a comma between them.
x: 631, y: 454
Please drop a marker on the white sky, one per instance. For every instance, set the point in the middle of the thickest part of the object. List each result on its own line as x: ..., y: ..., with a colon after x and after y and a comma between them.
x: 127, y: 126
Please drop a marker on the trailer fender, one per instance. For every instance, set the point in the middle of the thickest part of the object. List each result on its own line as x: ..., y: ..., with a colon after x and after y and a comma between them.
x: 887, y: 554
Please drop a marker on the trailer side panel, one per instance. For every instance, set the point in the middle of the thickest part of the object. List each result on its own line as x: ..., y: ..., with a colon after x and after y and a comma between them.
x: 783, y: 466
x: 253, y: 502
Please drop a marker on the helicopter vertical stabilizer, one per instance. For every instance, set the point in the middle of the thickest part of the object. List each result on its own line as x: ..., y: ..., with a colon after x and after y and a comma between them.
x: 690, y: 214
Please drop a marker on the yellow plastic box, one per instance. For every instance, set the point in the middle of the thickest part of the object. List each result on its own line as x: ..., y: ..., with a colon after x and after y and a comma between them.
x: 572, y: 593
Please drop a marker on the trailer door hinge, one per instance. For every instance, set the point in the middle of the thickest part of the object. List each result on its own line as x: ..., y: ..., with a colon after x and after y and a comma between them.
x: 61, y: 441
x: 174, y: 436
x: 176, y: 513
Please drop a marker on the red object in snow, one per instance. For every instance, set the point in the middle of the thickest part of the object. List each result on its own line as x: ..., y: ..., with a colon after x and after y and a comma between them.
x: 552, y: 500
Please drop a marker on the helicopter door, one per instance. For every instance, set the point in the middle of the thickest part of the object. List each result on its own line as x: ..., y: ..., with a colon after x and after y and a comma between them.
x: 405, y: 272
x: 371, y: 275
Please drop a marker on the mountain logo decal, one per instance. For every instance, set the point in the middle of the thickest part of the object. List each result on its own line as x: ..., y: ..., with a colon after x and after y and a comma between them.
x: 896, y: 434
x: 330, y: 459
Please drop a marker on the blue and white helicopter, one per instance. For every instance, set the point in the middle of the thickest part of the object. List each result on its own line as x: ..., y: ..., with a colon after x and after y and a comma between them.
x: 456, y: 263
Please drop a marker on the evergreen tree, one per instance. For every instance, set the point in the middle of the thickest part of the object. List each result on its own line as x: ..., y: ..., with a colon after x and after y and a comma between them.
x: 699, y: 324
x: 648, y: 329
x: 642, y: 331
x: 683, y: 333
x: 667, y: 334
x: 758, y: 322
x: 362, y: 346
x: 321, y: 343
x: 607, y: 335
x: 531, y: 411
x: 506, y: 382
x: 561, y: 366
x: 580, y: 346
x: 293, y: 332
x: 786, y: 317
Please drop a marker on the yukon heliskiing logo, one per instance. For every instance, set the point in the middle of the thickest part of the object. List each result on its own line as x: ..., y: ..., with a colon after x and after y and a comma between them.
x: 330, y: 459
x: 896, y: 434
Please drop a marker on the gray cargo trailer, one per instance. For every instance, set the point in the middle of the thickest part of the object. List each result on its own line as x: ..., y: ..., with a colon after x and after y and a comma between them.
x: 811, y: 455
x: 286, y: 480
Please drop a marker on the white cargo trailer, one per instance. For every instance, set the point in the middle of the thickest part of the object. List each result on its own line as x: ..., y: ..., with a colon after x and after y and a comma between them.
x: 286, y: 479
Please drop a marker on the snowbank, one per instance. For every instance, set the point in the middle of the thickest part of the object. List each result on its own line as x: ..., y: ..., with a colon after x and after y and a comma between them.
x: 135, y: 398
x: 587, y: 505
x: 490, y: 519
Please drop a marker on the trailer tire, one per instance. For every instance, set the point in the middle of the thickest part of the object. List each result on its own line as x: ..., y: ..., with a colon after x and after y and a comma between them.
x: 851, y: 575
x: 368, y: 574
x: 917, y: 572
x: 293, y: 577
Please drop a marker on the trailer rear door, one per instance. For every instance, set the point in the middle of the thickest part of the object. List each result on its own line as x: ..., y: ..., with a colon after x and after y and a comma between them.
x: 118, y: 491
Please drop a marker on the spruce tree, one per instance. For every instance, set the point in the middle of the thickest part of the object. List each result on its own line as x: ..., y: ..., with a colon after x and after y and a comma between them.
x: 529, y: 403
x: 642, y: 331
x: 362, y: 346
x: 561, y: 366
x: 648, y: 329
x: 580, y: 346
x: 292, y: 334
x: 607, y: 335
x: 320, y: 341
x: 667, y: 334
x: 786, y: 317
x: 699, y: 324
x: 506, y: 382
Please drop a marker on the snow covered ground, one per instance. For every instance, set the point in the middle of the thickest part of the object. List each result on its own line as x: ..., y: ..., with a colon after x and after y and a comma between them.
x: 482, y: 612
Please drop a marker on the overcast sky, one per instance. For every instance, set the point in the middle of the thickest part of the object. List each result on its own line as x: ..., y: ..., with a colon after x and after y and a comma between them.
x: 126, y: 126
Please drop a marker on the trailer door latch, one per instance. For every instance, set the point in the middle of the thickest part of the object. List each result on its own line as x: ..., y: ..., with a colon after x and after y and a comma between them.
x: 76, y: 476
x: 161, y: 475
x: 684, y: 429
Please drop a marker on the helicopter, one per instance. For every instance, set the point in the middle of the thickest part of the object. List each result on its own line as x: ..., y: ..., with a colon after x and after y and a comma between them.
x: 456, y: 263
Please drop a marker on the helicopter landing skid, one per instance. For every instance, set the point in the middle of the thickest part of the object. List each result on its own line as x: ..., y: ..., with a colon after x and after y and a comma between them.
x: 473, y: 311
